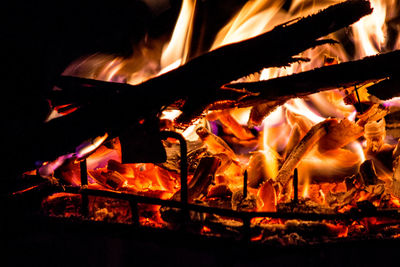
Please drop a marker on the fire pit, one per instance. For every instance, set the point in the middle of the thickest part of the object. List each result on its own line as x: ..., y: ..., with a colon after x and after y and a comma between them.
x: 246, y: 143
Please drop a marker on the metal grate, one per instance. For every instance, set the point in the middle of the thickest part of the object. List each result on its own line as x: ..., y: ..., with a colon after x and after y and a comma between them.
x: 185, y: 207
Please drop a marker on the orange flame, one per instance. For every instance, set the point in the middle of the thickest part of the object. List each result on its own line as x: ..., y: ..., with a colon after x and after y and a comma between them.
x: 177, y: 51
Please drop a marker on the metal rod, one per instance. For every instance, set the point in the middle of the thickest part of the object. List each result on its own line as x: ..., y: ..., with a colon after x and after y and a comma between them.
x: 245, y: 184
x: 393, y: 213
x: 295, y: 186
x: 85, y: 205
x: 135, y: 212
x: 84, y: 183
x: 83, y: 166
x: 246, y: 230
x: 358, y: 98
x: 183, y: 163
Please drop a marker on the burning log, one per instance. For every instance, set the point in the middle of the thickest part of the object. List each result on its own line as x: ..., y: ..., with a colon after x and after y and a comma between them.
x: 386, y: 89
x: 294, y: 139
x: 220, y: 190
x: 111, y: 179
x: 375, y: 113
x: 344, y: 75
x: 312, y: 137
x: 239, y: 59
x: 257, y: 172
x: 375, y: 134
x: 196, y: 151
x: 304, y: 123
x: 339, y: 135
x: 241, y: 132
x: 100, y: 103
x: 214, y: 143
x: 260, y: 111
x: 331, y: 166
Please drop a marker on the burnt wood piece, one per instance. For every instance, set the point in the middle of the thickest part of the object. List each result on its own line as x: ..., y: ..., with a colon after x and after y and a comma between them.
x: 342, y: 75
x: 262, y: 110
x: 303, y: 147
x: 196, y: 151
x: 202, y: 178
x: 368, y: 173
x: 395, y: 187
x: 386, y: 89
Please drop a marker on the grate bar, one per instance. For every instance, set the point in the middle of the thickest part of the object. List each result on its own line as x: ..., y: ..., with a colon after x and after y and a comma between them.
x: 394, y: 213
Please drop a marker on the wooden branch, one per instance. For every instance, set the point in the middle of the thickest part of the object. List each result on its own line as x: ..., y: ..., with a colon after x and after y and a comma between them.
x: 342, y: 75
x: 339, y: 135
x: 309, y: 140
x: 202, y: 178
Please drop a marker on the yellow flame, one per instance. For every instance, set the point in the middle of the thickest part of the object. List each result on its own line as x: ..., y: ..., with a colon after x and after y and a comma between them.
x: 276, y: 131
x: 305, y: 180
x: 299, y: 107
x: 170, y: 114
x: 177, y: 51
x: 93, y: 146
x: 241, y: 115
x: 254, y: 18
x: 369, y: 32
x: 322, y: 196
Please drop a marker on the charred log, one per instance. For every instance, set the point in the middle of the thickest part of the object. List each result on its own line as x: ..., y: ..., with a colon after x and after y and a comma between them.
x: 386, y: 89
x: 202, y: 179
x: 342, y: 75
x: 396, y: 177
x: 304, y: 146
x: 368, y: 173
x: 196, y: 151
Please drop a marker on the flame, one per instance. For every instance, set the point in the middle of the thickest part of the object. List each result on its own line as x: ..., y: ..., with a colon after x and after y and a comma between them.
x: 86, y: 148
x: 275, y: 130
x: 60, y: 111
x: 305, y: 180
x: 322, y: 195
x: 177, y: 51
x: 253, y: 19
x: 369, y: 32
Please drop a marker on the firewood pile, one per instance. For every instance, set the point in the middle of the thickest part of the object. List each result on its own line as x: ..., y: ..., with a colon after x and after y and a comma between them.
x: 266, y: 190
